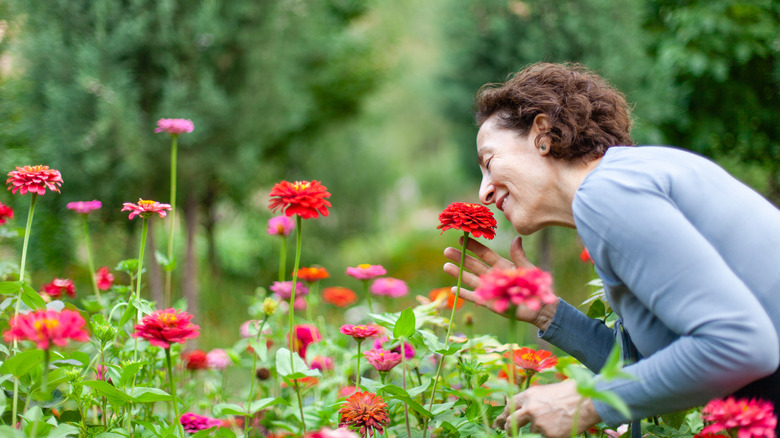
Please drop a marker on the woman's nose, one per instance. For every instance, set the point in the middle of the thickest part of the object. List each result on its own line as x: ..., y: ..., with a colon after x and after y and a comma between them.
x: 486, y: 192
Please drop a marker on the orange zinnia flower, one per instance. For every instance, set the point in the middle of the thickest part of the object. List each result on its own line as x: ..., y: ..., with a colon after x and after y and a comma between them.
x: 339, y: 296
x: 470, y: 218
x: 532, y: 360
x: 312, y: 274
x: 365, y: 412
x: 34, y: 179
x: 45, y: 327
x: 304, y: 198
x: 436, y: 293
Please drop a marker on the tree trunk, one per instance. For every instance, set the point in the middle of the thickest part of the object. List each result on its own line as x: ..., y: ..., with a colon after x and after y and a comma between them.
x: 190, y: 279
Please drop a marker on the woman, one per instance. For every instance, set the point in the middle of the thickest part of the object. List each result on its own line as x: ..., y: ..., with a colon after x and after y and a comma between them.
x: 689, y: 256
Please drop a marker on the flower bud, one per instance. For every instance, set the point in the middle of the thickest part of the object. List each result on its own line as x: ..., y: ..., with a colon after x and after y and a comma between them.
x: 468, y: 320
x: 263, y: 373
x: 269, y: 306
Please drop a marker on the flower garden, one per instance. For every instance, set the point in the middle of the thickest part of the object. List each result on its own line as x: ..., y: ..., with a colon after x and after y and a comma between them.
x: 121, y: 366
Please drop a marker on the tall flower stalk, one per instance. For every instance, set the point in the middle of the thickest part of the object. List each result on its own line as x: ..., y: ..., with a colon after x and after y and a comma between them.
x: 269, y: 307
x: 84, y: 208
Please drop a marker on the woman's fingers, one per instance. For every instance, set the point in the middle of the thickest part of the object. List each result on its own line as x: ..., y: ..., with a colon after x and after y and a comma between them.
x: 517, y: 254
x: 470, y: 280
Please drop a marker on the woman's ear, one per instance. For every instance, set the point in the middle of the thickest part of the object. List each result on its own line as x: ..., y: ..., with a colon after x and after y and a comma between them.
x: 540, y: 128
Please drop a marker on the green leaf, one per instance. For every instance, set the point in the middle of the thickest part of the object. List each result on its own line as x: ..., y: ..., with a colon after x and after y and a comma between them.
x: 264, y: 403
x: 675, y: 419
x: 10, y: 287
x: 405, y: 326
x: 21, y: 363
x: 431, y: 340
x: 63, y: 431
x: 32, y: 298
x: 400, y: 394
x: 597, y: 310
x: 143, y: 305
x: 613, y: 400
x: 299, y: 368
x: 130, y: 311
x: 227, y: 409
x: 128, y: 372
x: 261, y: 349
x: 108, y: 390
x: 149, y: 395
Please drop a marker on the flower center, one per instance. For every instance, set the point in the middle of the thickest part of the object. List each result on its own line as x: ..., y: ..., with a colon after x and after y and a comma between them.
x: 46, y: 323
x: 144, y: 203
x: 301, y: 185
x: 364, y: 266
x: 168, y: 319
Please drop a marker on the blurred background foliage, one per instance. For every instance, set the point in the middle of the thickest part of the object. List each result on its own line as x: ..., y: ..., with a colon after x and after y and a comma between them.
x: 371, y: 97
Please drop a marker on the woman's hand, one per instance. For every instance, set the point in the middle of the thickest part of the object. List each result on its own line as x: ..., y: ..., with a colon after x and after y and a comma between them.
x: 550, y: 410
x: 486, y: 260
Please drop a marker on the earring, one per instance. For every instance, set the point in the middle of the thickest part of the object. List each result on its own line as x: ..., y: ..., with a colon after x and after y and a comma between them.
x: 543, y: 147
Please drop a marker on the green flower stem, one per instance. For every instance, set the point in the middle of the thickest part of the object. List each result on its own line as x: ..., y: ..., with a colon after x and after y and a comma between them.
x: 144, y: 231
x: 91, y: 263
x: 512, y: 332
x: 357, y: 372
x: 283, y: 259
x: 252, y: 378
x: 173, y: 390
x: 43, y: 388
x: 368, y: 296
x: 529, y: 374
x: 168, y: 271
x: 298, y: 224
x: 15, y: 348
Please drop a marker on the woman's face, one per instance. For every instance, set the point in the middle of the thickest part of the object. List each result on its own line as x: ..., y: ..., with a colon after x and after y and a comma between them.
x: 515, y: 175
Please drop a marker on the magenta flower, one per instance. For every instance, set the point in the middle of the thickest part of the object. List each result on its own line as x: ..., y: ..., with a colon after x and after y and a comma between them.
x: 284, y: 290
x: 366, y: 272
x: 218, y: 359
x: 748, y: 418
x: 305, y: 334
x: 145, y: 208
x: 104, y: 278
x: 6, y: 213
x: 193, y: 422
x: 527, y: 287
x: 46, y: 327
x: 322, y: 363
x: 280, y: 226
x: 174, y: 126
x: 165, y: 327
x: 382, y: 359
x: 408, y: 348
x: 341, y: 432
x: 84, y: 207
x: 360, y: 332
x: 60, y: 286
x: 388, y: 286
x: 34, y: 179
x: 249, y: 328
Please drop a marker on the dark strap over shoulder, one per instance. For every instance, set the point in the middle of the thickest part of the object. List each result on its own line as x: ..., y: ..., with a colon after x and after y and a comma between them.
x: 630, y: 355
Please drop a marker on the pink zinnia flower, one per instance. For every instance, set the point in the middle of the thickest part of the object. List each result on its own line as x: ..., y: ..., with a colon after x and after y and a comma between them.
x: 366, y: 272
x: 391, y: 287
x: 305, y: 334
x: 104, y: 278
x: 165, y: 327
x: 145, y: 208
x: 528, y: 287
x: 280, y: 226
x: 382, y: 359
x: 60, y: 286
x: 174, y: 126
x: 45, y: 327
x: 360, y: 332
x: 322, y: 363
x: 749, y: 418
x: 347, y: 391
x: 218, y: 359
x: 193, y: 422
x: 408, y: 348
x: 84, y: 207
x: 6, y: 213
x: 284, y: 289
x: 34, y: 179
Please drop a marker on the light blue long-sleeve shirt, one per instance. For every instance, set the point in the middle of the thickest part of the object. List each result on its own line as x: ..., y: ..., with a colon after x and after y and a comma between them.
x: 690, y: 260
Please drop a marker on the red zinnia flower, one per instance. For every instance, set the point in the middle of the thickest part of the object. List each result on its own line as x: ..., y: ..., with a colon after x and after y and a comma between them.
x: 58, y: 286
x: 532, y: 360
x: 388, y: 286
x: 304, y: 198
x: 84, y: 207
x: 528, y: 287
x: 174, y: 126
x: 365, y: 412
x: 6, y: 213
x: 585, y: 256
x: 470, y: 218
x: 104, y: 278
x: 313, y: 274
x: 165, y: 327
x: 193, y: 422
x: 45, y: 327
x: 34, y: 179
x: 339, y: 296
x: 360, y: 332
x: 366, y: 272
x: 195, y: 360
x: 145, y: 208
x: 749, y: 418
x: 305, y: 334
x: 439, y: 292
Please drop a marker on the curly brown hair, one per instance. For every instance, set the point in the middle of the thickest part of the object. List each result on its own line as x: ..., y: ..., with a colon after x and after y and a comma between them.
x: 586, y: 113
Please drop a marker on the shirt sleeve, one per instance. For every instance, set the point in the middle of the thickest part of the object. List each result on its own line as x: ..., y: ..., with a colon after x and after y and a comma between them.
x: 638, y: 237
x: 586, y: 339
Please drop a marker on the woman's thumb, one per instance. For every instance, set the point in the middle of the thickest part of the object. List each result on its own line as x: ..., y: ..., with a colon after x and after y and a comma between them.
x: 517, y: 254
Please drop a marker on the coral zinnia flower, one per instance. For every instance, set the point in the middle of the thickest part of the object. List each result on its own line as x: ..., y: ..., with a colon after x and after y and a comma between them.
x: 195, y: 360
x: 45, y: 327
x: 532, y: 360
x: 749, y: 418
x: 104, y: 278
x: 313, y: 274
x: 445, y: 291
x: 145, y: 208
x: 408, y: 348
x: 165, y: 327
x: 174, y: 126
x: 58, y: 286
x: 360, y: 332
x: 218, y: 359
x: 388, y: 286
x: 366, y: 272
x: 284, y: 289
x: 84, y: 207
x: 280, y: 226
x: 365, y: 412
x: 6, y: 213
x: 193, y: 422
x: 470, y: 218
x: 34, y: 179
x: 304, y: 198
x: 382, y: 359
x: 305, y: 334
x: 528, y: 287
x: 339, y: 296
